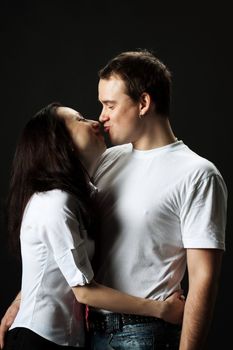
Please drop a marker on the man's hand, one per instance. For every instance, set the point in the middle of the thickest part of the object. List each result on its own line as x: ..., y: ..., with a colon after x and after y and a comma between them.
x: 8, y: 319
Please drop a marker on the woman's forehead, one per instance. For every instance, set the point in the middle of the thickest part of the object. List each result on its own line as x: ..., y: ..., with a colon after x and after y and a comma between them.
x: 68, y: 112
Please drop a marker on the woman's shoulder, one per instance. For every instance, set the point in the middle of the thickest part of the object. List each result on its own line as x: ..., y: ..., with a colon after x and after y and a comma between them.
x: 49, y: 204
x: 55, y: 197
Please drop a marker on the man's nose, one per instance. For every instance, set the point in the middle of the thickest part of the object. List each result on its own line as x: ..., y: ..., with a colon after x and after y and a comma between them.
x: 103, y: 117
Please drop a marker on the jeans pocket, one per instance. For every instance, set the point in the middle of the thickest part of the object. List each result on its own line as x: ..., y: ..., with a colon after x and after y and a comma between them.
x: 133, y: 340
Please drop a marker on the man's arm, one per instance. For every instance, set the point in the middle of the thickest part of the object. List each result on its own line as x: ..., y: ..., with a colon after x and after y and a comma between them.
x: 9, y: 317
x: 204, y: 266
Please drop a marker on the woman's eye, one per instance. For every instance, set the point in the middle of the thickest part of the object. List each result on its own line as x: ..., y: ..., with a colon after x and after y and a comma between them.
x: 81, y: 119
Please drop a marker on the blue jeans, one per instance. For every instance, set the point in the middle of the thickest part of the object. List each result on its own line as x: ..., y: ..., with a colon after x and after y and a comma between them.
x: 144, y: 336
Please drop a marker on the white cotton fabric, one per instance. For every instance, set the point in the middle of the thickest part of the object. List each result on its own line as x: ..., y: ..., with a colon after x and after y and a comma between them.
x: 154, y: 204
x: 55, y: 257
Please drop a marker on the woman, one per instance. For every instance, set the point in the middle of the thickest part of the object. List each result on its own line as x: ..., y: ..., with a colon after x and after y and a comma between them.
x: 51, y: 210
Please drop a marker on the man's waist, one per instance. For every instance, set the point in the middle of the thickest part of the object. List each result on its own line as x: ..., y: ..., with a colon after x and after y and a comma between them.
x: 110, y: 322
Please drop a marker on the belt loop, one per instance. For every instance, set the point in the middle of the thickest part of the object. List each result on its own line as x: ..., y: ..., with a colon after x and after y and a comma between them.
x: 113, y: 323
x: 109, y: 323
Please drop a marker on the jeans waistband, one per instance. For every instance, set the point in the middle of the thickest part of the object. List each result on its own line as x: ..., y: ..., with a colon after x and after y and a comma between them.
x: 112, y: 322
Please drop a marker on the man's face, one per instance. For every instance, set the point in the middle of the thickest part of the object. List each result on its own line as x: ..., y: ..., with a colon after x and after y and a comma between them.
x: 119, y: 113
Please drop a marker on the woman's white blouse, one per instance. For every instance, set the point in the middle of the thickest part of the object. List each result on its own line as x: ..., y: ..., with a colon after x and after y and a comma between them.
x: 56, y: 255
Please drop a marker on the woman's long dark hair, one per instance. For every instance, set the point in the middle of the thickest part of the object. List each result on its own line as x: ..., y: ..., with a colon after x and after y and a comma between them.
x: 44, y: 160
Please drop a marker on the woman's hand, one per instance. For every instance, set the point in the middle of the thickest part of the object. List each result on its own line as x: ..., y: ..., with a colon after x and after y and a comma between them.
x: 173, y: 308
x: 8, y: 319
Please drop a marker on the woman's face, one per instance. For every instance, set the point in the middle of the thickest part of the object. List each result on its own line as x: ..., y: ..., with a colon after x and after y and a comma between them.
x: 85, y: 134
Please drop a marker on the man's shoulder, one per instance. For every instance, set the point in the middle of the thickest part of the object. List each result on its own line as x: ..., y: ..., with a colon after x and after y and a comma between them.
x: 118, y: 150
x: 113, y: 153
x: 196, y: 167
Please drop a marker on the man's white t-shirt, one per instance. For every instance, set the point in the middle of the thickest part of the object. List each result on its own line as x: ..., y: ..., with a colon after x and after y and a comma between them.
x: 154, y: 204
x: 55, y: 257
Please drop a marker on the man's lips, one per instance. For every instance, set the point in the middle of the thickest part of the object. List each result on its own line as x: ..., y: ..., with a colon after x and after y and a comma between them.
x: 106, y: 128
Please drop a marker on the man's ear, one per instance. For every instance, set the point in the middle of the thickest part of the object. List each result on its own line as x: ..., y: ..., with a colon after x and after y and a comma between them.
x: 145, y: 103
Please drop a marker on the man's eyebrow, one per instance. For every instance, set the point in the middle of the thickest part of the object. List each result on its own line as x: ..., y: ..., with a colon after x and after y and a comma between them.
x: 107, y: 101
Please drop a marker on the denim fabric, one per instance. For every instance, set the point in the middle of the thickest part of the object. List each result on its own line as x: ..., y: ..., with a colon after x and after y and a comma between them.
x: 144, y: 336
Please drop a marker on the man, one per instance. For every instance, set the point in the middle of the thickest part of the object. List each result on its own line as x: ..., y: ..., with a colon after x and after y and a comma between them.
x: 161, y: 206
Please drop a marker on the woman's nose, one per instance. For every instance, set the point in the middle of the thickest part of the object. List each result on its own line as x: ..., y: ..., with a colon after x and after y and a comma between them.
x: 95, y: 124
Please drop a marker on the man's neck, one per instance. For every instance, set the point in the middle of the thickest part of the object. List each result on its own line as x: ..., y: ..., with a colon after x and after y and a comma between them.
x: 157, y: 132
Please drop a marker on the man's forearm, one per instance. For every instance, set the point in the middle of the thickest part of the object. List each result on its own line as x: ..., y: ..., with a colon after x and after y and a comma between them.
x: 197, y: 319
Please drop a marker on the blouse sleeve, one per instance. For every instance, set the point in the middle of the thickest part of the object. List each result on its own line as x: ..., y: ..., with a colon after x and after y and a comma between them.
x: 63, y: 237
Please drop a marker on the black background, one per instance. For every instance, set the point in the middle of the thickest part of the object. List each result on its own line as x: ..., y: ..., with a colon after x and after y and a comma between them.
x: 52, y: 50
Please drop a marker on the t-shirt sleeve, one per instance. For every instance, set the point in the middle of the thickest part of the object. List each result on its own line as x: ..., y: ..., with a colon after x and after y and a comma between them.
x: 203, y: 215
x: 64, y: 241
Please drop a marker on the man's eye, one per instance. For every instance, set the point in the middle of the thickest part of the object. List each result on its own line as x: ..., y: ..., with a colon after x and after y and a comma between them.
x: 110, y: 107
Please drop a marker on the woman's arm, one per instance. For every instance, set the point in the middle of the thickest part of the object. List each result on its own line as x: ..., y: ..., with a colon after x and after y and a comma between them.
x: 9, y: 317
x: 99, y: 296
